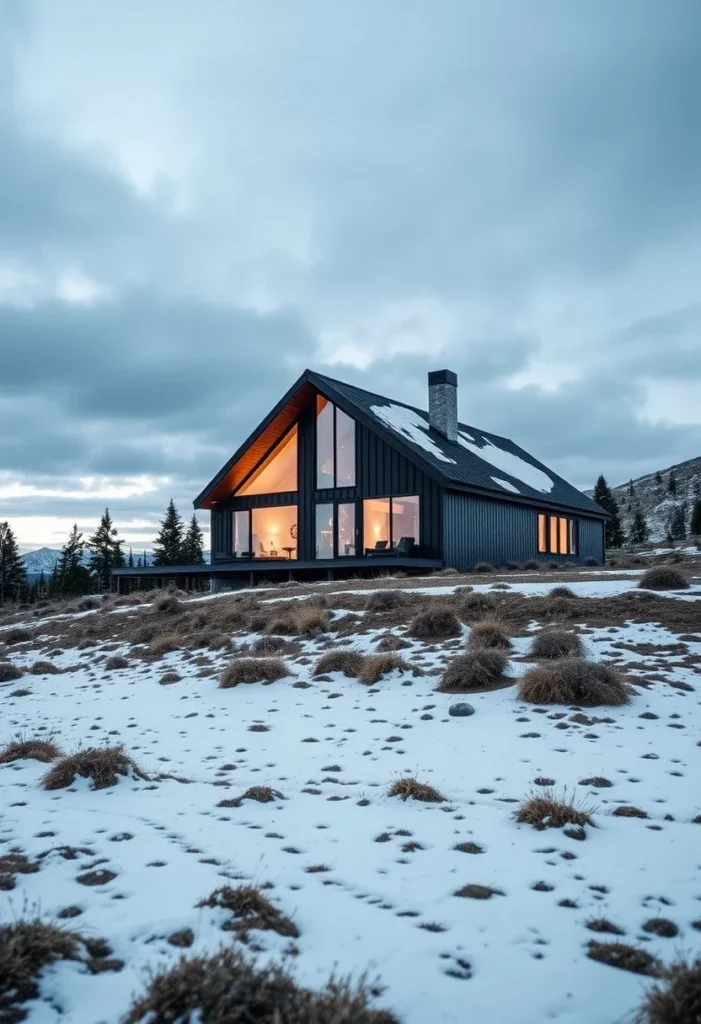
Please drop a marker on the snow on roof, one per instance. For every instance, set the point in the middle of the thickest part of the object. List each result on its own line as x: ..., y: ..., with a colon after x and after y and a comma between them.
x: 508, y: 463
x: 411, y: 425
x: 506, y: 484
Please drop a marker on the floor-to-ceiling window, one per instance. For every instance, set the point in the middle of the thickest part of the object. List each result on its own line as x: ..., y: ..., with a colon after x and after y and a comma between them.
x: 324, y: 530
x: 376, y: 524
x: 405, y: 518
x: 274, y: 532
x: 335, y: 446
x: 242, y: 532
x: 345, y: 529
x: 386, y: 521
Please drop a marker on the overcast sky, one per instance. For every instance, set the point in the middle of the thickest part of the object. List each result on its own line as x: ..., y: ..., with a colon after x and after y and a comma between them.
x: 199, y: 199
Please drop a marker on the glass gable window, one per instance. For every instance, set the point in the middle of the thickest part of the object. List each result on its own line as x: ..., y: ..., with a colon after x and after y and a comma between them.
x: 242, y: 533
x: 324, y: 531
x: 274, y: 532
x: 278, y: 471
x: 335, y: 446
x: 345, y: 529
x: 556, y: 535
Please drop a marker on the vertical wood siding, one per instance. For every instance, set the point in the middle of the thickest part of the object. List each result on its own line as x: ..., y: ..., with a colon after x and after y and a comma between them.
x: 480, y: 530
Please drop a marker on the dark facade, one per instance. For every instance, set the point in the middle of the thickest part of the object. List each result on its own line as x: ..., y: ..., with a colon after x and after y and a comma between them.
x: 472, y: 508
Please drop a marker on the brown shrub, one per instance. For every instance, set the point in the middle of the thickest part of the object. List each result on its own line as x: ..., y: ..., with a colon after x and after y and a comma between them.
x: 164, y: 643
x: 26, y: 947
x: 386, y: 600
x: 549, y: 812
x: 375, y: 666
x: 477, y: 669
x: 299, y: 619
x: 483, y: 567
x: 13, y: 864
x: 341, y: 660
x: 226, y: 987
x: 167, y: 604
x: 489, y: 633
x: 434, y: 624
x: 574, y: 681
x: 29, y: 749
x: 9, y: 672
x: 663, y: 577
x: 556, y: 643
x: 677, y: 1000
x: 16, y: 635
x: 270, y: 645
x: 44, y: 668
x: 473, y: 607
x: 409, y: 789
x: 562, y: 591
x: 104, y: 765
x: 628, y: 958
x: 250, y: 909
x: 117, y: 661
x: 253, y: 670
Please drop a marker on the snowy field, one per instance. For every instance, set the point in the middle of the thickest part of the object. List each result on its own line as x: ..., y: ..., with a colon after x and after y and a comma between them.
x: 369, y: 880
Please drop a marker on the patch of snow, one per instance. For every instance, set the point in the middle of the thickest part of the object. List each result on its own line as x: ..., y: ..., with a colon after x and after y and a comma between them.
x: 506, y: 484
x: 509, y: 463
x: 411, y: 425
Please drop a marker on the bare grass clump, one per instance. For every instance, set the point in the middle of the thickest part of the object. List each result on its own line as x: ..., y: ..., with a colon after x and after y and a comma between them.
x: 556, y: 643
x: 26, y: 948
x: 677, y: 999
x: 29, y: 749
x: 476, y: 670
x: 44, y: 668
x: 297, y: 619
x: 627, y: 958
x: 250, y: 909
x: 435, y: 624
x: 117, y: 661
x: 489, y: 632
x: 103, y: 765
x: 253, y: 670
x: 574, y: 681
x: 9, y: 672
x: 386, y: 600
x: 409, y: 788
x: 483, y: 567
x: 226, y: 987
x: 16, y: 635
x: 164, y: 643
x: 562, y: 591
x: 344, y: 660
x: 663, y: 577
x: 547, y: 811
x: 167, y: 604
x: 375, y: 666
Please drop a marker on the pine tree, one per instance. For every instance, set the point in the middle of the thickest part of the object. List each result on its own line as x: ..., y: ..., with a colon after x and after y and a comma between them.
x: 192, y: 552
x: 106, y: 551
x: 672, y: 484
x: 604, y: 498
x: 695, y: 527
x: 71, y: 577
x: 658, y: 478
x: 167, y: 549
x: 13, y: 575
x: 130, y: 562
x: 677, y: 523
x: 631, y: 489
x: 638, y: 530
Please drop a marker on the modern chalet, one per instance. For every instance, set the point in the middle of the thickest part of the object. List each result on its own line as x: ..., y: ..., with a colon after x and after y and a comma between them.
x: 339, y: 481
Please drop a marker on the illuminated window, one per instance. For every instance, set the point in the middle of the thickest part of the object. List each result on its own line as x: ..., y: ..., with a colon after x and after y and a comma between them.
x: 405, y: 518
x: 335, y: 446
x: 556, y: 535
x: 274, y: 532
x: 242, y: 532
x: 278, y: 471
x: 324, y: 531
x: 387, y: 520
x: 345, y: 529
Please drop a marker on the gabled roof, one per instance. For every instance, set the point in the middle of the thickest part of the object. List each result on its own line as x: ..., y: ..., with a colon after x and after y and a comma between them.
x: 480, y: 461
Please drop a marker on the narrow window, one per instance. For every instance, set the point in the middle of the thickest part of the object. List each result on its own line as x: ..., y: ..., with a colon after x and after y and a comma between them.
x: 345, y: 543
x: 542, y: 534
x: 345, y: 450
x: 324, y: 443
x: 242, y: 533
x: 278, y: 470
x: 572, y: 549
x: 335, y: 446
x: 376, y: 524
x: 564, y: 536
x: 553, y: 535
x: 324, y: 531
x: 274, y: 532
x: 405, y: 519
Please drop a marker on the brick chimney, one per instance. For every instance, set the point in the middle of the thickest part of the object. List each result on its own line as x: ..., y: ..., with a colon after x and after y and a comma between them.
x: 443, y: 403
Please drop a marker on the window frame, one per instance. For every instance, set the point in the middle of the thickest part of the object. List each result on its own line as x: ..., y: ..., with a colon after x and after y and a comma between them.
x: 252, y: 555
x: 390, y: 498
x: 334, y: 444
x: 335, y: 505
x: 552, y: 530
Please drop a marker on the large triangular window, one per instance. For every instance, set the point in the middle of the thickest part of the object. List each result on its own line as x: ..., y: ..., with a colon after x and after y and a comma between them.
x: 278, y: 470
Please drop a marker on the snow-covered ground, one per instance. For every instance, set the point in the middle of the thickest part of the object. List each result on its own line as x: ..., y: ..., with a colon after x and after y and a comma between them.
x: 332, y: 749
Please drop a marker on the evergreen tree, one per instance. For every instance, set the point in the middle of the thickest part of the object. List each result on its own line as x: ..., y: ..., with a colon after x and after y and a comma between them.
x: 138, y: 562
x: 167, y: 549
x: 106, y: 551
x: 71, y: 577
x: 604, y: 498
x: 130, y: 562
x: 13, y: 575
x: 677, y: 523
x: 631, y: 489
x: 192, y: 552
x: 672, y: 484
x: 695, y: 528
x: 638, y: 530
x: 658, y: 478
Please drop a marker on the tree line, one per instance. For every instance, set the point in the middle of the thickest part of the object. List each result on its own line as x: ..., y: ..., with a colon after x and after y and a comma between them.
x: 76, y: 575
x: 639, y: 530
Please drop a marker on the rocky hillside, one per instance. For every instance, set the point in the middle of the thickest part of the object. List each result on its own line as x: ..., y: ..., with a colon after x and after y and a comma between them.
x: 652, y: 495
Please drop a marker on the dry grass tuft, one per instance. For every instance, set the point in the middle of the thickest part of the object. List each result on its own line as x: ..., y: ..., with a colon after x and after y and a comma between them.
x: 296, y: 618
x: 167, y: 604
x: 263, y: 794
x: 163, y: 643
x: 603, y: 926
x: 435, y: 624
x: 556, y: 643
x: 661, y: 926
x: 476, y: 670
x: 253, y: 670
x: 548, y: 812
x: 574, y: 681
x: 226, y: 987
x: 29, y: 749
x: 104, y: 765
x: 16, y: 635
x: 483, y: 567
x: 250, y: 910
x: 627, y: 811
x: 375, y: 666
x: 341, y: 660
x: 9, y: 672
x: 386, y: 600
x: 271, y: 645
x: 663, y: 577
x: 561, y: 591
x: 489, y: 633
x: 478, y: 892
x: 26, y: 947
x: 628, y: 958
x: 409, y: 789
x: 117, y: 661
x: 44, y: 668
x: 677, y: 1000
x: 392, y: 643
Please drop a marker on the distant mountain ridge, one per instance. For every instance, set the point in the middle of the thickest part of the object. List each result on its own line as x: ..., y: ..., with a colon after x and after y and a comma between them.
x: 651, y: 494
x: 45, y: 560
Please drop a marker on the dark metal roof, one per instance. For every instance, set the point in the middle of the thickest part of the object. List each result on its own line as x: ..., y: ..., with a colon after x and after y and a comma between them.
x: 480, y: 462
